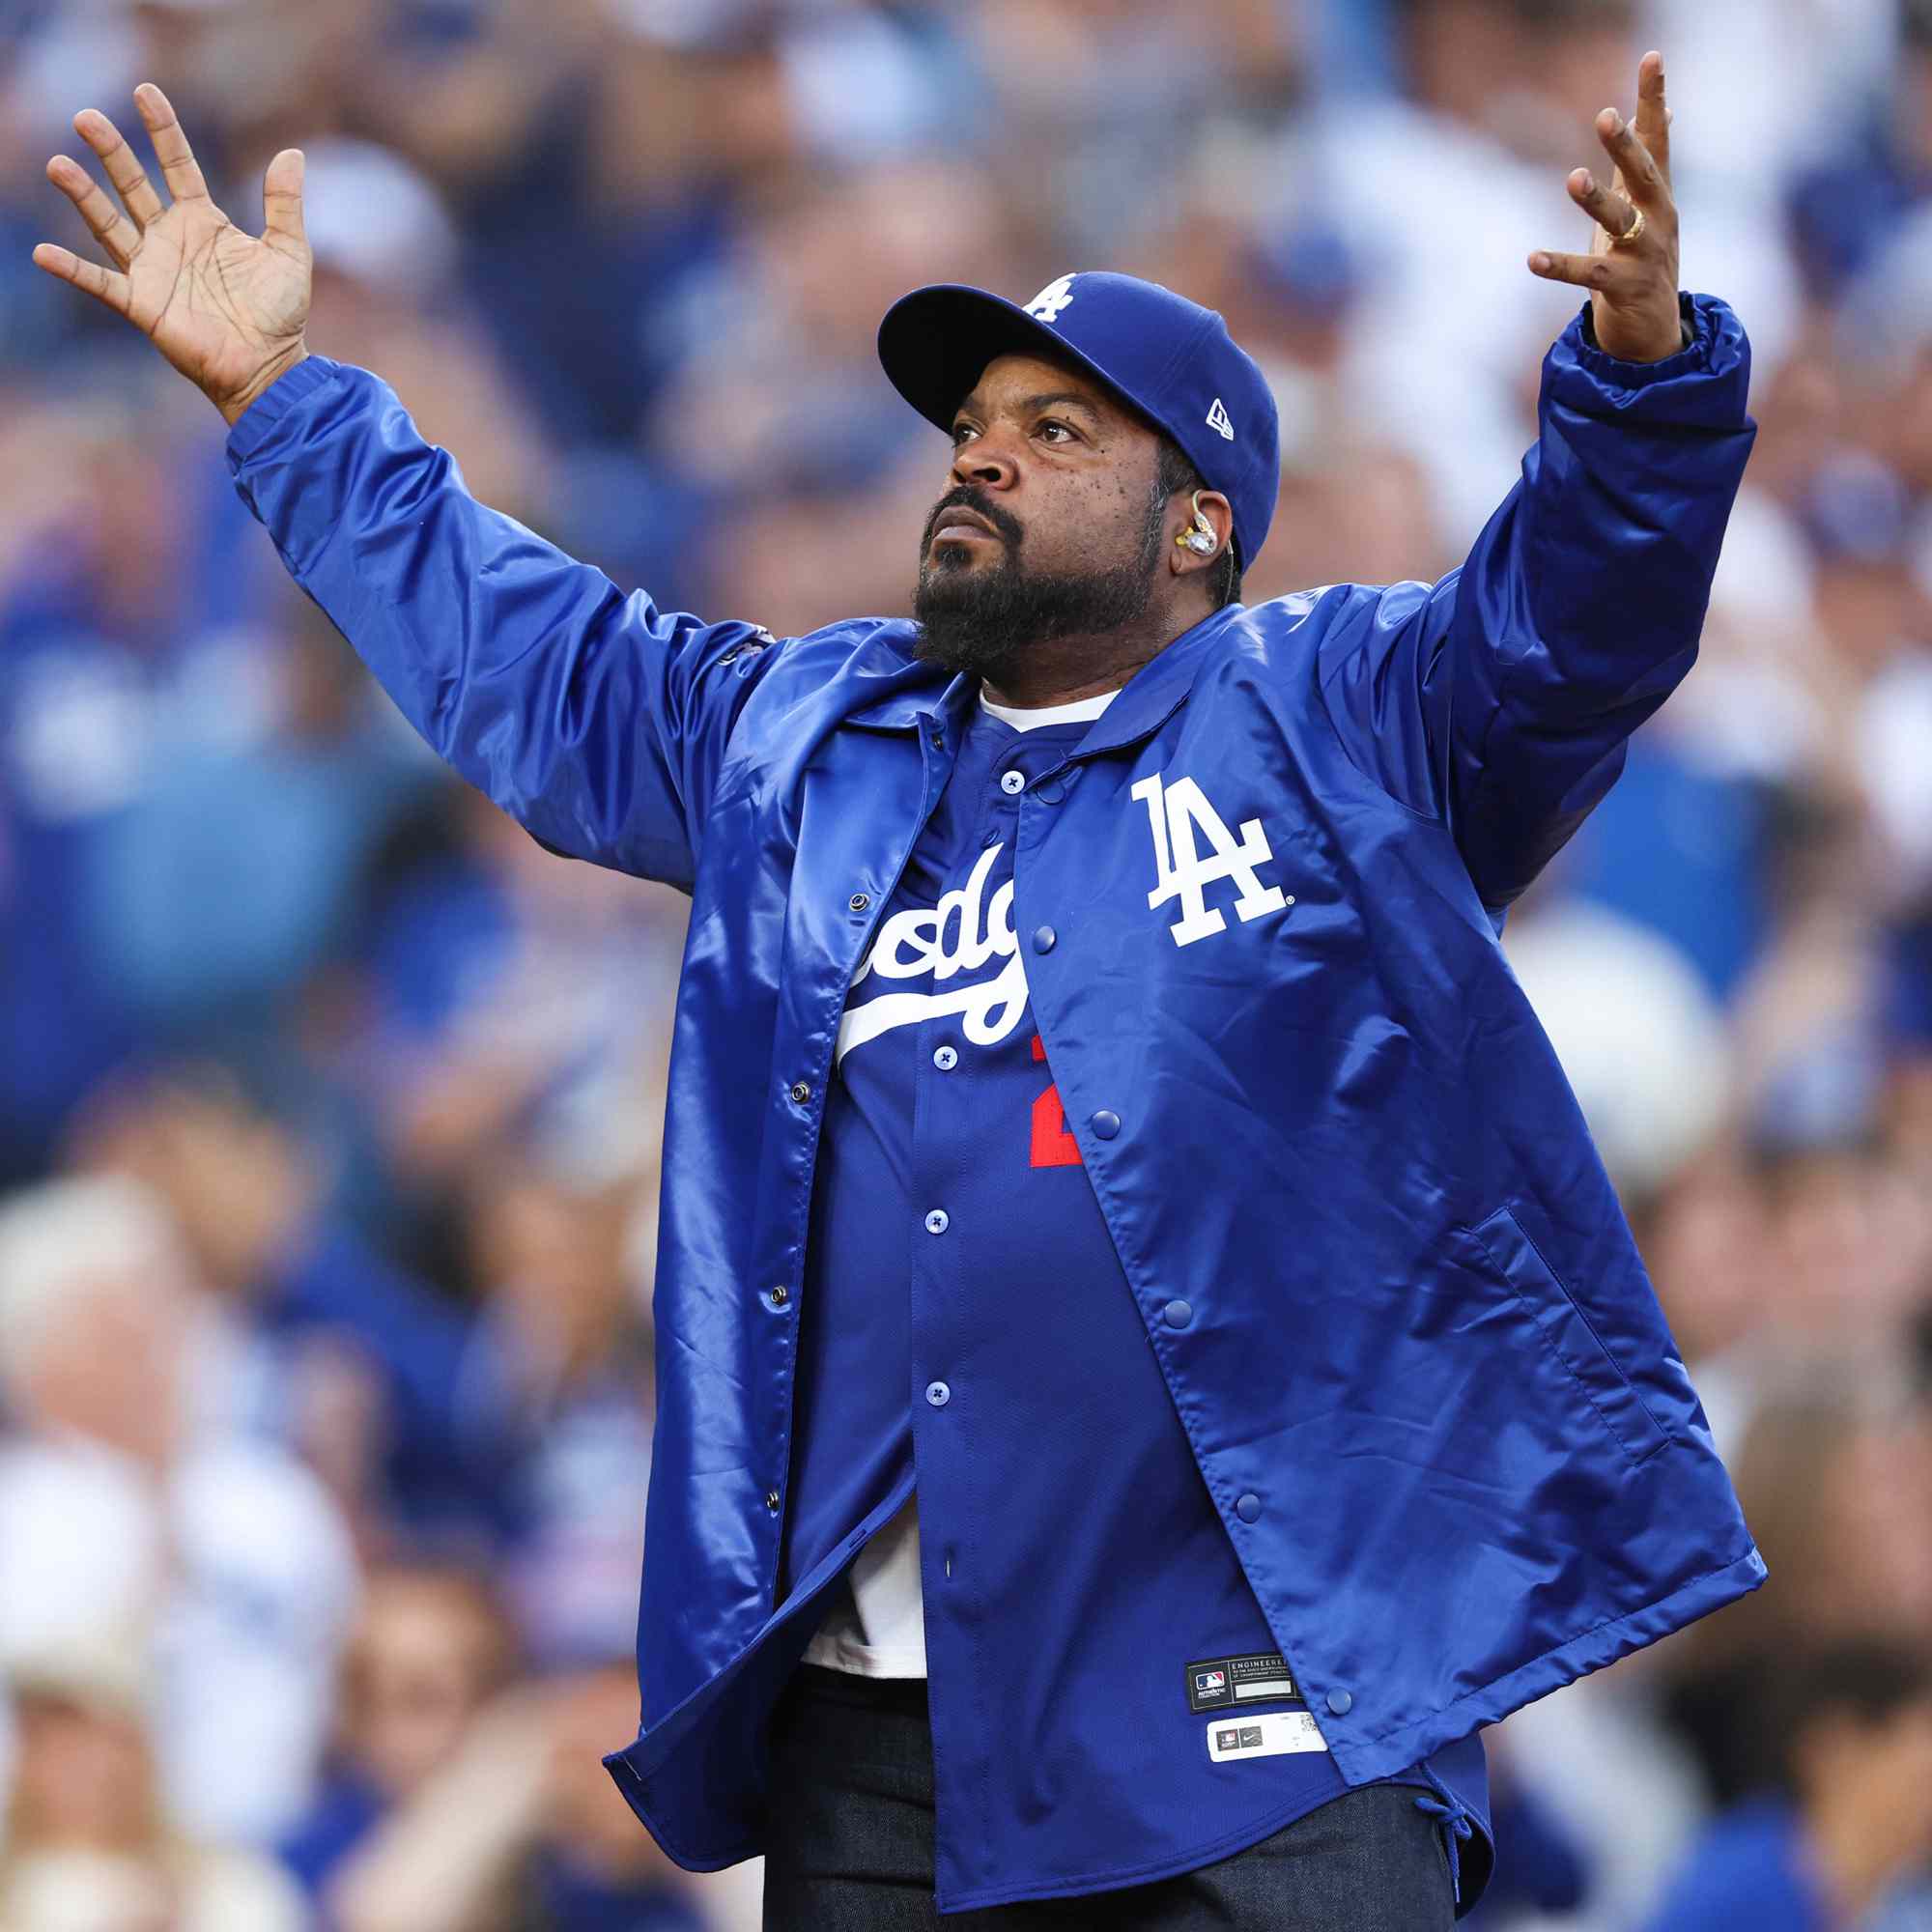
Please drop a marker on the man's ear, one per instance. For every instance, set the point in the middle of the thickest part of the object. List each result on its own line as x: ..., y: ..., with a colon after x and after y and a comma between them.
x: 1205, y: 512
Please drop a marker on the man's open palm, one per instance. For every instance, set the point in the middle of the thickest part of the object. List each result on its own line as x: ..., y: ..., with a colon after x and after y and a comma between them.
x: 227, y: 309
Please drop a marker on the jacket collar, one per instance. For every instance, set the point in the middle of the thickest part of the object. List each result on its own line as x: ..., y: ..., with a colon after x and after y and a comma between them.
x: 902, y: 692
x: 1155, y: 691
x: 909, y: 694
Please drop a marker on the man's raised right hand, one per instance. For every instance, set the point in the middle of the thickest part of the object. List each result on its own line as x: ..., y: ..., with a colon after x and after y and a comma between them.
x: 226, y: 309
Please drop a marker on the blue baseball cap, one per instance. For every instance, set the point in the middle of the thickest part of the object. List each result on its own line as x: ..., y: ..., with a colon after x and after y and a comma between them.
x: 1169, y: 358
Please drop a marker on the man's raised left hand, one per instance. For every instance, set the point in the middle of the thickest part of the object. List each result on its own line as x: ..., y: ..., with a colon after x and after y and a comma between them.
x: 1633, y: 285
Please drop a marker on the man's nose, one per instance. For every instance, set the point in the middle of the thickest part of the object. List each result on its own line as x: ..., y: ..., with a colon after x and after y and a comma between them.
x: 981, y: 460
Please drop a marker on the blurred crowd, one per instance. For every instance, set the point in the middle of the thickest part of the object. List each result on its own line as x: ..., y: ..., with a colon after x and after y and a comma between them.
x: 330, y: 1104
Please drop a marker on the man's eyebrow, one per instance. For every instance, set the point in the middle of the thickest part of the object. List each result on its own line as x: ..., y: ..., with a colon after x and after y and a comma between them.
x: 1046, y: 400
x: 1053, y: 397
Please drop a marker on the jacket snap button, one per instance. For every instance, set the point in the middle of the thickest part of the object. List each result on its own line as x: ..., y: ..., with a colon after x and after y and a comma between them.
x: 1179, y: 1314
x: 780, y: 1295
x: 859, y: 901
x: 1248, y: 1507
x: 1044, y: 938
x: 800, y: 1092
x: 1049, y: 792
x: 1341, y: 1702
x: 1106, y: 1124
x: 772, y: 1501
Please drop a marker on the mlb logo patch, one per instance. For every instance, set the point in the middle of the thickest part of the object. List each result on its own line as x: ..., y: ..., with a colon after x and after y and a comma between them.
x: 1228, y: 1739
x: 1215, y: 1681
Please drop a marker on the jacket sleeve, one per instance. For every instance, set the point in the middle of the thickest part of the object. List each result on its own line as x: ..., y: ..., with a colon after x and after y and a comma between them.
x: 592, y: 718
x: 1498, y: 701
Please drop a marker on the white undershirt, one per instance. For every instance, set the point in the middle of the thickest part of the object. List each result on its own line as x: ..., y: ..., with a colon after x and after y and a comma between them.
x: 1032, y: 718
x: 875, y: 1622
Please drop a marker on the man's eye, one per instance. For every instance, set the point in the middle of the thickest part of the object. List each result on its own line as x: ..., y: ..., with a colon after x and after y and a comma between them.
x: 1065, y: 430
x: 961, y: 432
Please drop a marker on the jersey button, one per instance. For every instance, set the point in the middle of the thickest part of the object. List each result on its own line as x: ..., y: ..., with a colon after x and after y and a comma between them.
x: 1044, y: 939
x: 1341, y: 1702
x: 938, y: 1221
x: 1179, y: 1314
x: 772, y: 1501
x: 1011, y: 783
x: 859, y: 901
x: 1106, y: 1124
x: 938, y: 1394
x: 780, y: 1295
x: 1248, y: 1507
x: 800, y: 1092
x: 946, y: 1058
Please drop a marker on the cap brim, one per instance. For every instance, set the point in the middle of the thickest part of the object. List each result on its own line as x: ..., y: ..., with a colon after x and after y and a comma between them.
x: 935, y: 344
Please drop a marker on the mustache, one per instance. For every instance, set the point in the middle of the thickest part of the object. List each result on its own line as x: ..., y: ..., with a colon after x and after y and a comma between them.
x: 964, y: 499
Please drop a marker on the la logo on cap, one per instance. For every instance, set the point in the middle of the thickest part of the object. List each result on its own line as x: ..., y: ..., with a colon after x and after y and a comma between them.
x: 1051, y: 300
x: 1218, y: 419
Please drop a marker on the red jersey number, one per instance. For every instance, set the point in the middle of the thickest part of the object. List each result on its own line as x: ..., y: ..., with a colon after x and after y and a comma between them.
x: 1052, y: 1145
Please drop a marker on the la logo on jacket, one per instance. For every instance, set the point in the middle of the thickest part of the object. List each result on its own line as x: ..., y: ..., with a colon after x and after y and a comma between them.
x: 953, y: 943
x: 1176, y: 812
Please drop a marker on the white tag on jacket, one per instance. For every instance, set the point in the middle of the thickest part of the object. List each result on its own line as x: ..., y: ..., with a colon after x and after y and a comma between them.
x: 1266, y: 1734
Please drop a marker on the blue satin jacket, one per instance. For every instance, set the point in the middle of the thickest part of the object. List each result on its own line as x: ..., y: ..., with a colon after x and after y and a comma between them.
x: 1427, y: 1381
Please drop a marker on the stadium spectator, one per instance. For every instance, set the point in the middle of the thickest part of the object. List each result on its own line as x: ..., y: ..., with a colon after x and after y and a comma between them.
x: 87, y: 1843
x: 130, y: 1496
x: 430, y: 1648
x: 521, y: 1827
x: 1847, y: 1735
x: 509, y: 1423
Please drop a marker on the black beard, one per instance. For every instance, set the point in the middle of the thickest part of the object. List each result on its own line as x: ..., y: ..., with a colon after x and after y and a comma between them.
x: 982, y: 622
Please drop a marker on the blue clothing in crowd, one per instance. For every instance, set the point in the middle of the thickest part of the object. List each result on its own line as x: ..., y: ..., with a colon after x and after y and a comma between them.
x: 1751, y: 1868
x: 345, y: 1812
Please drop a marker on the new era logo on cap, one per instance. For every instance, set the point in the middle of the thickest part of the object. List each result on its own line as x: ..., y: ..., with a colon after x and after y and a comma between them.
x: 1217, y: 419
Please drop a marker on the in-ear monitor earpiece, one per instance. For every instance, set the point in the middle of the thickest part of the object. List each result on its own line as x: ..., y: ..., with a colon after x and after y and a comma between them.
x: 1200, y: 538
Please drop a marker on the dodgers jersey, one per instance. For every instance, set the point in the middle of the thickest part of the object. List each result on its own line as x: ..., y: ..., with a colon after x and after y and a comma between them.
x: 968, y: 966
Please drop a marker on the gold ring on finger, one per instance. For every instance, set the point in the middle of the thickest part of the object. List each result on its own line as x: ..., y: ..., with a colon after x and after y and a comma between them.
x: 1629, y: 238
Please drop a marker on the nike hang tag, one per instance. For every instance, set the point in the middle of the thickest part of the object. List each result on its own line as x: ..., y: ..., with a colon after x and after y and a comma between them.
x: 1264, y: 1734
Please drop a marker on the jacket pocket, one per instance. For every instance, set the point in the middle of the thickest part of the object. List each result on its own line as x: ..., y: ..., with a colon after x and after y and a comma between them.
x: 1566, y: 1330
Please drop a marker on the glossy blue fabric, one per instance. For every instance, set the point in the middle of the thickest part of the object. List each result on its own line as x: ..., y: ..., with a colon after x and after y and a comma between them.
x: 1427, y: 1384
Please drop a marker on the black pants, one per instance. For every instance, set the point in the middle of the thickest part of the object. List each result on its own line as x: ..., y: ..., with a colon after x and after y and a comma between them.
x: 850, y: 1848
